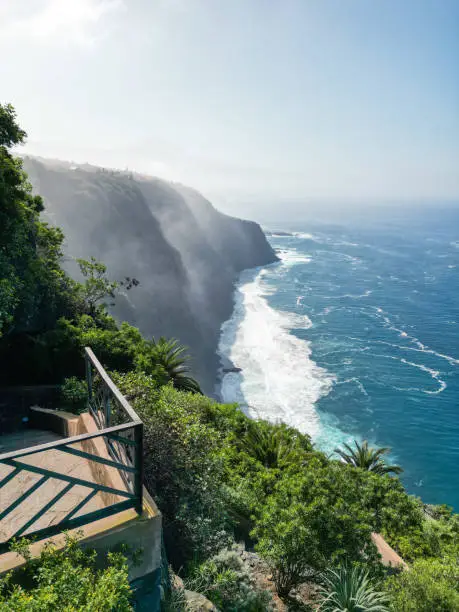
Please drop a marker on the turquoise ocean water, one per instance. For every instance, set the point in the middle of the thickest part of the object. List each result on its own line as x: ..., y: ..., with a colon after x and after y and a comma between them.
x: 354, y: 334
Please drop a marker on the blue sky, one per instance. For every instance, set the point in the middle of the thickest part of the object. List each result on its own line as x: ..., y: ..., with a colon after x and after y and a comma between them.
x: 246, y: 100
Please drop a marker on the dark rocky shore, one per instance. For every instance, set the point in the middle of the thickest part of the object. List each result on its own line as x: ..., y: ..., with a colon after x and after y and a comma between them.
x: 186, y: 254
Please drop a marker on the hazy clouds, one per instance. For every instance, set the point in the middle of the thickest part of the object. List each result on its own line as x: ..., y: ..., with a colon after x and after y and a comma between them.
x: 245, y: 100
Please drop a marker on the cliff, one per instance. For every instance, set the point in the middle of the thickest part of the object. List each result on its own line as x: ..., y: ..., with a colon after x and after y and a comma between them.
x: 184, y: 252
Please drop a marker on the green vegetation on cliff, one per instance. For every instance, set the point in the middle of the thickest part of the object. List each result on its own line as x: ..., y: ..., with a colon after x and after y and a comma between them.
x: 217, y: 476
x: 67, y: 579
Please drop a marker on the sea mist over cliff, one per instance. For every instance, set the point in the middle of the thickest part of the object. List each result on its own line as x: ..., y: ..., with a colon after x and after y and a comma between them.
x: 185, y: 253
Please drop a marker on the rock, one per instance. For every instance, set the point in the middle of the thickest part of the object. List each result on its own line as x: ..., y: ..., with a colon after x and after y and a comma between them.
x: 177, y: 582
x: 198, y: 603
x: 226, y: 370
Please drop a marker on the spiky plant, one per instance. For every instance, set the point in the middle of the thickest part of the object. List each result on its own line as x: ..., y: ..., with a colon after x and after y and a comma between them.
x: 367, y: 458
x: 271, y: 445
x: 350, y: 589
x: 172, y: 357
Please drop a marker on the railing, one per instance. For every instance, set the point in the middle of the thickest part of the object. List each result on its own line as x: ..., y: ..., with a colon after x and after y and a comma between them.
x: 43, y: 494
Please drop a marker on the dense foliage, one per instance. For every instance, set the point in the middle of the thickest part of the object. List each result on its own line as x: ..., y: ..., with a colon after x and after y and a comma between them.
x: 431, y: 584
x: 67, y: 579
x: 214, y: 473
x: 34, y: 291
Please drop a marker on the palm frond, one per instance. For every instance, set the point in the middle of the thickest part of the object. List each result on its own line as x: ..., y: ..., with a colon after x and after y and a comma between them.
x: 367, y: 458
x: 173, y: 358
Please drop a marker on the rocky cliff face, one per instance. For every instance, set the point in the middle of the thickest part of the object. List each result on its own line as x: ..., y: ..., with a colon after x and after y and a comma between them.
x: 184, y: 252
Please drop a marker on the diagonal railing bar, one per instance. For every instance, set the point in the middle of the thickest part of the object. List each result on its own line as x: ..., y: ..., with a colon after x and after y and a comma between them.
x: 9, y: 477
x: 78, y: 507
x: 23, y: 497
x: 43, y: 510
x: 33, y: 450
x: 97, y: 459
x: 120, y: 439
x: 75, y: 522
x: 72, y: 479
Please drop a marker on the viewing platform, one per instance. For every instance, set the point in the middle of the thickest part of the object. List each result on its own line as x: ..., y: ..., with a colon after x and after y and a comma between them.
x: 81, y: 474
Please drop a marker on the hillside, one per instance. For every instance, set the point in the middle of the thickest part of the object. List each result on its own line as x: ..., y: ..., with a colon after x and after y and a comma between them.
x: 185, y: 254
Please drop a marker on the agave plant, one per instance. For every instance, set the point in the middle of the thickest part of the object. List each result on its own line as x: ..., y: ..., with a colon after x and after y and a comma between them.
x: 172, y: 357
x: 367, y: 458
x: 351, y: 590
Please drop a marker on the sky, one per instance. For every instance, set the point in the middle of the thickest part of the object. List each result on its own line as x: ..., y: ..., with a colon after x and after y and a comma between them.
x: 246, y: 100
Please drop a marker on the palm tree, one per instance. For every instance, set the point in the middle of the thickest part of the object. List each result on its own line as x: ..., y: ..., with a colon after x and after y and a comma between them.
x: 173, y: 359
x: 350, y: 590
x: 272, y: 445
x: 367, y: 458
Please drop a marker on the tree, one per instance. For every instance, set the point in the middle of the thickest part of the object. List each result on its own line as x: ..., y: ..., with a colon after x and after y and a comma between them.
x: 367, y: 458
x: 312, y: 519
x: 171, y: 357
x: 97, y: 287
x: 34, y: 290
x: 350, y: 589
x: 274, y: 446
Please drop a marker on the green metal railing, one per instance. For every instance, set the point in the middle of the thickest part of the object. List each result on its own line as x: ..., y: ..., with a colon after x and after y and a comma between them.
x: 115, y: 448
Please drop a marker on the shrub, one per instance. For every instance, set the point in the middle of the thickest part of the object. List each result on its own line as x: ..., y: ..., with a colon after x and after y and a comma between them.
x: 67, y: 579
x: 434, y: 538
x: 431, y: 584
x: 74, y: 394
x: 350, y: 589
x: 226, y: 581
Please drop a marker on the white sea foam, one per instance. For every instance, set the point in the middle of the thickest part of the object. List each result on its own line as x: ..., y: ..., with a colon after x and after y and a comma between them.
x: 434, y: 374
x: 348, y: 295
x: 307, y: 236
x: 354, y: 380
x: 421, y: 348
x: 291, y: 257
x: 278, y: 380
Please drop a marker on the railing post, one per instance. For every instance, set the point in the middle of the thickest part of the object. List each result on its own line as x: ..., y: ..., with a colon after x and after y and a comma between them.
x: 107, y: 407
x: 138, y: 483
x: 88, y: 377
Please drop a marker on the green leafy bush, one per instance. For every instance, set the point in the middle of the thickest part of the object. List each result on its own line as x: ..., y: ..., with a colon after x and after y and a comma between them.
x: 430, y: 585
x: 67, y: 579
x: 74, y: 394
x: 311, y: 520
x: 226, y: 581
x: 433, y: 538
x: 183, y: 467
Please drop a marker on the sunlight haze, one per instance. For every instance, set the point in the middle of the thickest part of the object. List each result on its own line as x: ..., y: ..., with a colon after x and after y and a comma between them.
x: 253, y: 101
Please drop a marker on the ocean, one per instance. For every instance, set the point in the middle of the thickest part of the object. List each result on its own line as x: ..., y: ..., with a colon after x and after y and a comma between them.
x: 354, y: 334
